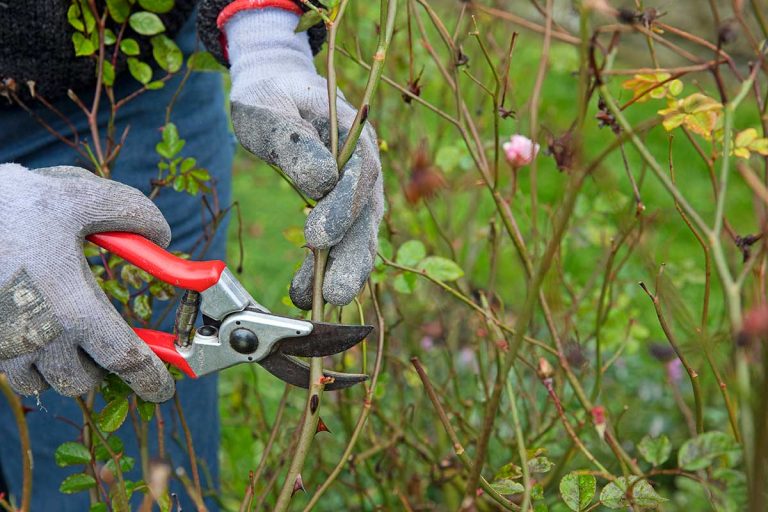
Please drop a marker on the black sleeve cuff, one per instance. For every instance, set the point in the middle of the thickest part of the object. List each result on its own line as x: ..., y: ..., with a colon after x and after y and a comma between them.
x: 213, y: 39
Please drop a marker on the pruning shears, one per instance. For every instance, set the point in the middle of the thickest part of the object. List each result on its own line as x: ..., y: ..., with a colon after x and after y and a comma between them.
x: 236, y: 329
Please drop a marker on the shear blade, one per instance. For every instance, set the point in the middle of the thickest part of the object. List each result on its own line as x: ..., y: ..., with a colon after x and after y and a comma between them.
x: 296, y: 372
x: 325, y: 340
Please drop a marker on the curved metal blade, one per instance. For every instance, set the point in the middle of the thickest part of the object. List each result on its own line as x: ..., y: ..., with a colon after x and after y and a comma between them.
x: 324, y: 340
x: 296, y: 372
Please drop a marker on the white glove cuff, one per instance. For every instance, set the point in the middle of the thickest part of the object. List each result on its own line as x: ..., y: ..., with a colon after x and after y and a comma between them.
x: 261, y: 44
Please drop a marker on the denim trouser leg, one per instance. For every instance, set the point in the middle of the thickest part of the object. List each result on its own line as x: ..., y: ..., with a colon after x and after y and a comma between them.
x: 201, y: 119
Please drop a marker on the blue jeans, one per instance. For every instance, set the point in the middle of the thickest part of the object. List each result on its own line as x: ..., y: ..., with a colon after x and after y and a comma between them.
x: 200, y: 116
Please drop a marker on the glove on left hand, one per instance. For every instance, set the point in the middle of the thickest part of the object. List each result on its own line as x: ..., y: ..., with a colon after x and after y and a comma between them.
x: 280, y: 113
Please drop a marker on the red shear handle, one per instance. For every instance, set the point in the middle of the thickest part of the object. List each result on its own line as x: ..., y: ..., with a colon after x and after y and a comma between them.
x: 164, y: 346
x: 190, y: 275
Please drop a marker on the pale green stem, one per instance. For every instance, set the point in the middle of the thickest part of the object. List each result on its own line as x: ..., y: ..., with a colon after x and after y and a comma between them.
x: 522, y: 453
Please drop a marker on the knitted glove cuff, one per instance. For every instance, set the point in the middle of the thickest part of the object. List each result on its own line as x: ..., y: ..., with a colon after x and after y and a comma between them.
x: 215, y: 40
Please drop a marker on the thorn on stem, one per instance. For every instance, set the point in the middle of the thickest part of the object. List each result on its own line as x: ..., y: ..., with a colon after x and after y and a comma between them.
x: 298, y: 484
x: 322, y: 427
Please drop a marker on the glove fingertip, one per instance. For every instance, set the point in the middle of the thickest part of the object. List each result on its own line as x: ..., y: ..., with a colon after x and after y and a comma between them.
x: 161, y: 389
x: 301, y: 285
x: 300, y: 299
x: 343, y: 284
x: 145, y: 218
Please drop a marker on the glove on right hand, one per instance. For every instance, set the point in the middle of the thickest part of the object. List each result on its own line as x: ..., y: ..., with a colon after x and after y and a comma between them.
x: 280, y: 113
x: 57, y: 328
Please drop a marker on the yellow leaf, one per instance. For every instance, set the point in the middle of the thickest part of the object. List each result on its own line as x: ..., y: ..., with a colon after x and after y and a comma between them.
x: 698, y: 102
x: 741, y: 153
x: 703, y: 123
x: 745, y: 138
x: 645, y: 86
x: 759, y: 146
x: 675, y: 87
x: 698, y: 113
x: 673, y: 121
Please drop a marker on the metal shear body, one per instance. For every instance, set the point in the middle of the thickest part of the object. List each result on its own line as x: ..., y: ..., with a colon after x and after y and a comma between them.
x: 236, y: 328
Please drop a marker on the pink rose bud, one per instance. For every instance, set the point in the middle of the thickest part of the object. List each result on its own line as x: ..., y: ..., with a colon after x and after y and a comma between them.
x: 520, y: 150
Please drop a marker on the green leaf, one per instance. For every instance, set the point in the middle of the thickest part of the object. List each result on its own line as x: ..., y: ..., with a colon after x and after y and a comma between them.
x: 91, y: 250
x: 171, y: 143
x: 540, y: 465
x: 411, y: 253
x: 146, y: 409
x: 404, y: 283
x: 655, y: 450
x: 71, y: 454
x: 193, y: 187
x: 77, y: 483
x: 98, y: 507
x: 205, y: 62
x: 83, y: 46
x: 308, y: 20
x: 187, y: 164
x: 90, y: 20
x: 113, y: 387
x: 142, y: 306
x: 129, y: 46
x: 161, y: 290
x: 578, y: 490
x: 130, y: 275
x: 201, y: 175
x: 440, y: 268
x: 614, y: 495
x: 115, y: 443
x: 73, y: 17
x: 506, y: 487
x: 116, y: 290
x: 126, y: 464
x: 113, y: 415
x: 146, y: 23
x: 180, y: 183
x: 166, y: 53
x: 157, y: 84
x: 119, y: 10
x: 141, y: 71
x: 159, y: 6
x: 734, y: 489
x: 109, y: 37
x: 701, y: 451
x: 108, y: 73
x: 509, y: 471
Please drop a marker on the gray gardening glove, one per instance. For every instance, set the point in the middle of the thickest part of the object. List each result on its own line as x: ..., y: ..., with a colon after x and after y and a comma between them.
x: 57, y: 328
x: 280, y: 113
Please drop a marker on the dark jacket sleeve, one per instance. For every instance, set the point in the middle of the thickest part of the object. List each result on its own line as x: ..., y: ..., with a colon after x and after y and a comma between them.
x: 213, y: 39
x: 36, y: 45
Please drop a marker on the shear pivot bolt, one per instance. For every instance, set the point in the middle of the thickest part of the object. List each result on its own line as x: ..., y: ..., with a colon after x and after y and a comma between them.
x: 244, y: 341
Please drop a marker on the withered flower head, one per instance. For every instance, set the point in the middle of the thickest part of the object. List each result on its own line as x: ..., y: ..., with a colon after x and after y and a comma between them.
x: 426, y: 178
x: 756, y: 322
x: 563, y: 150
